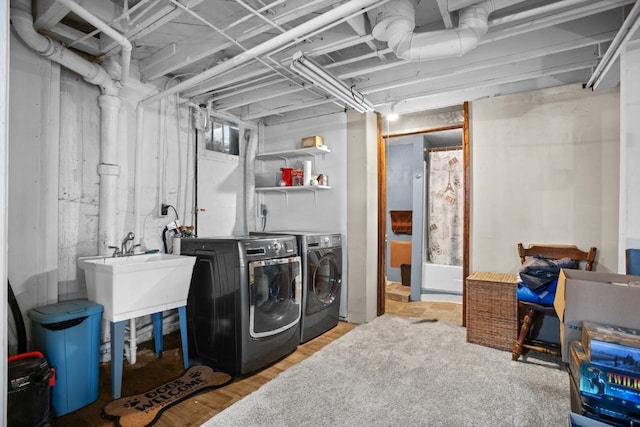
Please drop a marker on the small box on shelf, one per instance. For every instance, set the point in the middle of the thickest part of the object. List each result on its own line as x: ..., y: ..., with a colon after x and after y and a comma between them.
x: 311, y: 141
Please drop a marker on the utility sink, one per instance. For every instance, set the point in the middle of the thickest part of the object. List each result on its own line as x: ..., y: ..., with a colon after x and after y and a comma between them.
x: 137, y: 285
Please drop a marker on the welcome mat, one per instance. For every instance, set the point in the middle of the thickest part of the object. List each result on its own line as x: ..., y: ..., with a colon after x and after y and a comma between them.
x: 144, y: 409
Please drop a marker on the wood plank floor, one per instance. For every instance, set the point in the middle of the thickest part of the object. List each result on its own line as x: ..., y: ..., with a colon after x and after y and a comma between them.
x: 149, y: 372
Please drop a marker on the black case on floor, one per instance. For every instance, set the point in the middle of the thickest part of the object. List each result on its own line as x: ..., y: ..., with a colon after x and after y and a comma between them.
x: 29, y: 390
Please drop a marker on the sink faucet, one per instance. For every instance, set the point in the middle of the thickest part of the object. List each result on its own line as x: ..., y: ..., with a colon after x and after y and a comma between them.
x: 129, y: 237
x: 116, y: 251
x: 122, y: 250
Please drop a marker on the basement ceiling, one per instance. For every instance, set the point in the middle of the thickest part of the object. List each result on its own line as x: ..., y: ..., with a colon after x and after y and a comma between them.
x: 183, y: 46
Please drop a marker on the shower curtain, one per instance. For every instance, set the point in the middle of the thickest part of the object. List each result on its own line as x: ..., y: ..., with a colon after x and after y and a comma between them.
x: 445, y: 207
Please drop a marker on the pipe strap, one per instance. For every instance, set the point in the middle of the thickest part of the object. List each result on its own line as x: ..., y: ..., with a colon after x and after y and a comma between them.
x: 108, y: 169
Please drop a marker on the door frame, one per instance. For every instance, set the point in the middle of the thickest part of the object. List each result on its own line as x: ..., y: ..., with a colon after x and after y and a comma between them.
x: 382, y: 204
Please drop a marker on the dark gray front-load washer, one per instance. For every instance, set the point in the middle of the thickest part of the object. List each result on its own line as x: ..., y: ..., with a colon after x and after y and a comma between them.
x: 321, y: 255
x: 245, y: 301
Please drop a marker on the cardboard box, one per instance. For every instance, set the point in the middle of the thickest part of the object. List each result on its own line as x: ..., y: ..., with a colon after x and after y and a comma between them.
x: 596, y: 297
x: 612, y: 345
x: 311, y: 141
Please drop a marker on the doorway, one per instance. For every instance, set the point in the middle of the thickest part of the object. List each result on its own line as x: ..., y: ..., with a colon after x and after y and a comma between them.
x: 448, y: 137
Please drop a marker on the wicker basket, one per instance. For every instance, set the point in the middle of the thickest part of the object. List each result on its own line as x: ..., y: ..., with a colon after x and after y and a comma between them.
x: 492, y: 309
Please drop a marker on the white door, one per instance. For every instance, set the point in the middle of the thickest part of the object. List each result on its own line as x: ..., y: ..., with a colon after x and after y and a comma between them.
x: 220, y: 191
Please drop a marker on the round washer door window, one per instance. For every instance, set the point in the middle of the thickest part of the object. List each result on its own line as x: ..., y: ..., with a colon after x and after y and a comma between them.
x: 326, y: 279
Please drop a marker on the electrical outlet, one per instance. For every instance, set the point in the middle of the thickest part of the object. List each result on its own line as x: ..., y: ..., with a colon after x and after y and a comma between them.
x: 263, y: 209
x: 164, y: 210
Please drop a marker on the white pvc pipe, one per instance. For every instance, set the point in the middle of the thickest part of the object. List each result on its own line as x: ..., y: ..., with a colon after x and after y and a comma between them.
x: 268, y: 46
x: 628, y: 30
x: 54, y: 51
x: 137, y: 215
x: 109, y: 104
x: 548, y: 9
x: 250, y: 179
x: 109, y: 171
x: 133, y: 348
x: 106, y: 29
x: 162, y: 144
x: 137, y: 175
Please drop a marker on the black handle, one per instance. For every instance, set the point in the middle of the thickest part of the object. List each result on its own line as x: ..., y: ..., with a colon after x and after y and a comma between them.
x: 65, y: 324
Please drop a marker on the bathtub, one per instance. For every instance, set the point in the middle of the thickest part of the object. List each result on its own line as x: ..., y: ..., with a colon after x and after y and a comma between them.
x: 441, y: 283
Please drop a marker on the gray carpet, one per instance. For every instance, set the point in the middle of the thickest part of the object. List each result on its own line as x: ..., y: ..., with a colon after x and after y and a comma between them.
x: 404, y: 372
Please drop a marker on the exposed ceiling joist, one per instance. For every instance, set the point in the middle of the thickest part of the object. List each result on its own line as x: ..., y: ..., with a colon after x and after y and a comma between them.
x: 226, y: 43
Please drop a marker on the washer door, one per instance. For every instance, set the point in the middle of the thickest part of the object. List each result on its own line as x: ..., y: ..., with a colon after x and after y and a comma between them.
x: 325, y: 277
x: 275, y: 295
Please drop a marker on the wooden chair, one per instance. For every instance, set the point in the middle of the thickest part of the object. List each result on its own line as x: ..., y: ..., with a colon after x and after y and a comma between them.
x: 582, y: 259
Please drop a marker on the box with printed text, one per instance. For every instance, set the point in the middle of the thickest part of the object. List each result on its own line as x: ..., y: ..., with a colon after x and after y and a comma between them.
x: 604, y: 386
x: 611, y: 345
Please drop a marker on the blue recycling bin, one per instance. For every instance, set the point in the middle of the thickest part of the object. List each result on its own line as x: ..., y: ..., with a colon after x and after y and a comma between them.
x: 68, y: 334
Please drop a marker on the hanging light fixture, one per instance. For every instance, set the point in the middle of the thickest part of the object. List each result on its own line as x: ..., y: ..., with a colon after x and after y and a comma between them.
x: 392, y: 116
x: 319, y: 77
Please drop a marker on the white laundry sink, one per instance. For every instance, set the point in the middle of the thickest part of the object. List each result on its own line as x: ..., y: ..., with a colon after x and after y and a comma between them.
x: 136, y: 285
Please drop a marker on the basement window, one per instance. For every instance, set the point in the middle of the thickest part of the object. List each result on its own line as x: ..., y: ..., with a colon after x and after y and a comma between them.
x: 222, y: 137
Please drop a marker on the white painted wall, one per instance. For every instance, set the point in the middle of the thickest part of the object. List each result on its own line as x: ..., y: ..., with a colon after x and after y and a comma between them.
x: 32, y: 213
x: 362, y: 216
x: 629, y: 151
x: 4, y: 163
x: 323, y: 211
x: 53, y: 180
x: 320, y: 211
x: 544, y: 169
x: 167, y: 161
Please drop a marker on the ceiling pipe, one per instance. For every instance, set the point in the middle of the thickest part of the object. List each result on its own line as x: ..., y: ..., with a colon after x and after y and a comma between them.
x: 110, y: 32
x: 48, y: 48
x: 395, y: 21
x: 302, y: 30
x: 540, y: 16
x: 627, y: 31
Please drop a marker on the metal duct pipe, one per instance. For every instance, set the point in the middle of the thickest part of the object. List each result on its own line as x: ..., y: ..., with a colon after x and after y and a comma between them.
x: 316, y: 23
x: 453, y: 5
x: 105, y: 28
x: 395, y: 22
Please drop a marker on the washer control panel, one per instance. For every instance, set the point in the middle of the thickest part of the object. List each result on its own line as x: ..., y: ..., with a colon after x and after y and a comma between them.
x: 324, y: 241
